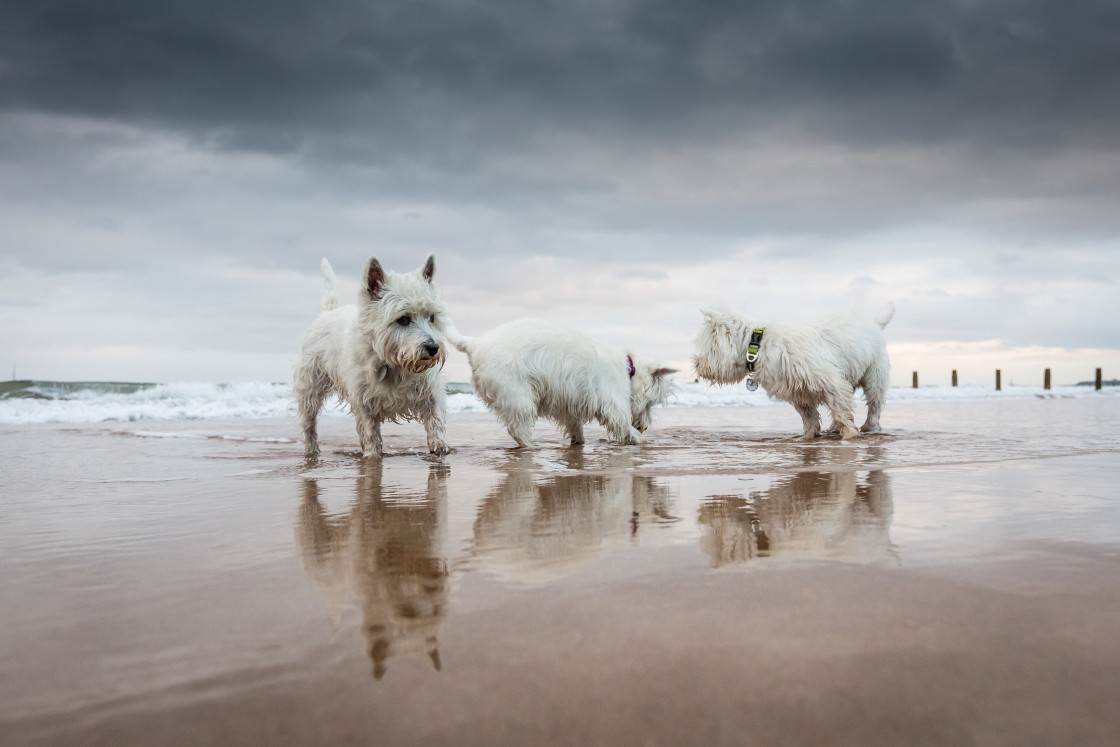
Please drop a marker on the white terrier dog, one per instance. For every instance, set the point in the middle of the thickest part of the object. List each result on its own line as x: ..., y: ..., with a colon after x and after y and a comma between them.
x: 382, y: 357
x: 806, y: 365
x: 530, y: 368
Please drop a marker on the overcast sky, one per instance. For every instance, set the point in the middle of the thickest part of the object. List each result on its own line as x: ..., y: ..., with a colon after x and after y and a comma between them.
x: 171, y: 173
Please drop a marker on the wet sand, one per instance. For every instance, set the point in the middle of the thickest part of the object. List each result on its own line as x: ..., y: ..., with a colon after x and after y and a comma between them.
x: 956, y: 580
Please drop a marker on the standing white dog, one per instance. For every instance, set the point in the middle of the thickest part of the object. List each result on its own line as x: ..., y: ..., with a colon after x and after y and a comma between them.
x: 808, y: 365
x: 530, y: 368
x: 382, y: 357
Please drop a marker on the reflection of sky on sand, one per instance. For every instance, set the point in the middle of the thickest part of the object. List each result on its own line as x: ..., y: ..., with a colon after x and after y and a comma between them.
x: 1020, y: 509
x: 384, y: 558
x: 733, y: 493
x: 385, y: 546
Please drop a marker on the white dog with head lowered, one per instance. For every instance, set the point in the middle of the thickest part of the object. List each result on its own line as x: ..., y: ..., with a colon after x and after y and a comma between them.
x: 807, y: 365
x: 382, y: 357
x: 530, y: 368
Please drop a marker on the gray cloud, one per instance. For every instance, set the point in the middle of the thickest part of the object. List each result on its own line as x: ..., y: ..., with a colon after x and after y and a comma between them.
x: 422, y: 97
x: 439, y: 74
x: 181, y: 151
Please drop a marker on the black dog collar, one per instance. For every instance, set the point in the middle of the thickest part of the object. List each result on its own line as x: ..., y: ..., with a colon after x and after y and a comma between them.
x: 752, y: 348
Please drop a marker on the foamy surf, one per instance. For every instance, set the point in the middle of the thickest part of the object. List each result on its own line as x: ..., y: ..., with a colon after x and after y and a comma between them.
x: 38, y: 402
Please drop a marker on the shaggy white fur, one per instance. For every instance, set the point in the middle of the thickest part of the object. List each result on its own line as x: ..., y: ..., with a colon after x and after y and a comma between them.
x: 530, y: 368
x: 807, y: 365
x: 382, y: 357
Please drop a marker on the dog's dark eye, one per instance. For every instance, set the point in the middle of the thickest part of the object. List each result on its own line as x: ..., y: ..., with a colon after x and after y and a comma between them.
x: 404, y: 321
x: 432, y: 319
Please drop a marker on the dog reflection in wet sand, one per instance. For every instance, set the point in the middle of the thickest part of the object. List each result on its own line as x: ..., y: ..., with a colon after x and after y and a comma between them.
x: 823, y: 515
x: 535, y: 528
x: 386, y: 558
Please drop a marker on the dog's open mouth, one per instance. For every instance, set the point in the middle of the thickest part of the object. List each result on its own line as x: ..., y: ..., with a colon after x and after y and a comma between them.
x: 422, y: 364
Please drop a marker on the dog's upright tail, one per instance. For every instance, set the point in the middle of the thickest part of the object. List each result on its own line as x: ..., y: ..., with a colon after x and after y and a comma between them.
x: 885, y: 315
x: 455, y: 337
x: 330, y: 300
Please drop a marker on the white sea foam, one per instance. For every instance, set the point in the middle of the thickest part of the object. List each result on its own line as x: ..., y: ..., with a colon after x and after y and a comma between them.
x: 96, y: 402
x: 47, y: 402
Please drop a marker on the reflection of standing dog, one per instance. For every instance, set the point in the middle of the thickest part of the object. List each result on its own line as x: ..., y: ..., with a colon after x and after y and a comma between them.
x: 530, y: 368
x: 390, y: 557
x: 806, y: 365
x: 534, y: 529
x: 382, y: 357
x: 829, y: 515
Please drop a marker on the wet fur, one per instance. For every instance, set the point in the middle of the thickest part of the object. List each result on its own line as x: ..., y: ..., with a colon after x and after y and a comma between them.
x: 807, y: 365
x: 381, y: 369
x: 530, y: 368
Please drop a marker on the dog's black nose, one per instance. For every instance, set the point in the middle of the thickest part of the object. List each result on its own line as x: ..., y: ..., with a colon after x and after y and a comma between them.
x: 431, y: 348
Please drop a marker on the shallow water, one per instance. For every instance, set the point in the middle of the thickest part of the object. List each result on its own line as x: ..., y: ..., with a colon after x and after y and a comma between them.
x: 184, y: 582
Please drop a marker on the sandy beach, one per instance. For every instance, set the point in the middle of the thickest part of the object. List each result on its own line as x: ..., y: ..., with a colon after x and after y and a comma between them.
x: 955, y: 580
x: 215, y: 215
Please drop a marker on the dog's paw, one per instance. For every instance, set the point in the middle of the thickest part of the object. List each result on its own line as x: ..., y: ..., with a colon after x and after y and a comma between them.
x: 440, y: 449
x: 633, y: 438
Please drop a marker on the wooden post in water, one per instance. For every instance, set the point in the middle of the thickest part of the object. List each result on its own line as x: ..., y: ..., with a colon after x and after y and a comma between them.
x: 1046, y: 379
x: 1098, y: 379
x: 916, y: 380
x: 998, y: 387
x: 954, y: 377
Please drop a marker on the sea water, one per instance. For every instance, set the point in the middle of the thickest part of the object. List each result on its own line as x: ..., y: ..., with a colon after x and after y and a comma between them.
x: 30, y: 402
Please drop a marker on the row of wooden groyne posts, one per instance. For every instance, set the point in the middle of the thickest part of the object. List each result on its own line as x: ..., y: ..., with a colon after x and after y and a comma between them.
x: 999, y: 384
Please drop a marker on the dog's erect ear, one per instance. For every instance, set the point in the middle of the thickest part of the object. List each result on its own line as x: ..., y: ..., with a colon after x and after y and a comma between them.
x: 662, y: 372
x: 429, y: 268
x: 375, y: 277
x: 720, y: 318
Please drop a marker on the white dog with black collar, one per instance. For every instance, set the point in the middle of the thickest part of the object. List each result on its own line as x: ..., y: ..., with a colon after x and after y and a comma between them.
x: 807, y: 365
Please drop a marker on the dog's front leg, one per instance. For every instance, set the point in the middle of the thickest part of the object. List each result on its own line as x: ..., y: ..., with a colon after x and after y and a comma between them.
x: 617, y: 422
x: 633, y: 436
x: 434, y: 425
x: 810, y: 420
x: 838, y: 400
x: 369, y: 434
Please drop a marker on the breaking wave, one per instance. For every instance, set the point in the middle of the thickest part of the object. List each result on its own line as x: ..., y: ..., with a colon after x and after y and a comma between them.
x: 31, y: 402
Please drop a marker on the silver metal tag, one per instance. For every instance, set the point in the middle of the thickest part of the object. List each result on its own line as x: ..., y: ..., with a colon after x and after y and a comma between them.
x: 751, y: 385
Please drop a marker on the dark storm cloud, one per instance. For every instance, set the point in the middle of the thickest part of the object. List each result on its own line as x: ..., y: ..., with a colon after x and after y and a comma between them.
x: 676, y: 129
x: 433, y: 76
